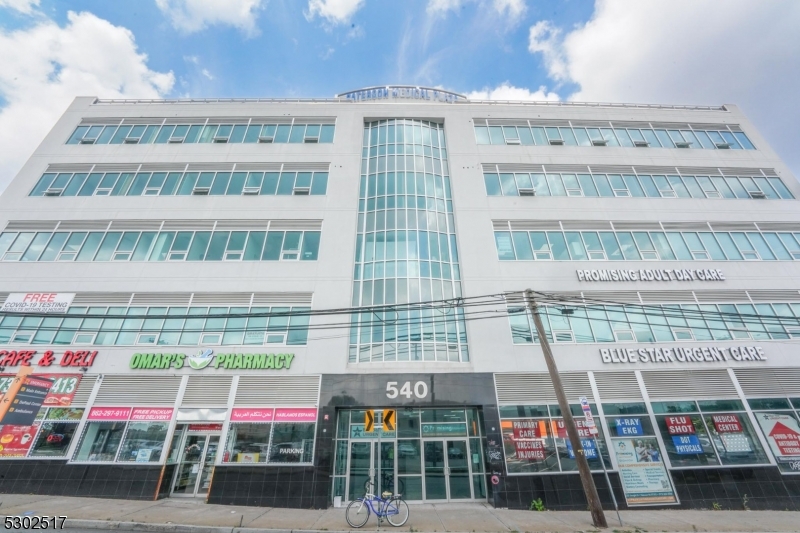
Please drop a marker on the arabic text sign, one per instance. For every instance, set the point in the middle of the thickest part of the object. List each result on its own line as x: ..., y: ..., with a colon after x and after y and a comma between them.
x: 37, y: 302
x: 246, y: 414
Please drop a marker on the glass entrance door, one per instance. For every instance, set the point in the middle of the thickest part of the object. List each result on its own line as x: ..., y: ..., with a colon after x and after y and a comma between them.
x: 373, y: 461
x: 447, y: 470
x: 195, y: 465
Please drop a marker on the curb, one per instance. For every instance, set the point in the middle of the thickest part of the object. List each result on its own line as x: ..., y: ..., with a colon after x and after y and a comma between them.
x: 71, y: 523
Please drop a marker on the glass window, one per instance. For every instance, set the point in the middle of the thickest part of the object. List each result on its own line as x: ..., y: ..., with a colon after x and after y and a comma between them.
x: 292, y: 443
x: 247, y: 443
x: 611, y: 246
x: 541, y: 248
x: 603, y: 187
x: 587, y: 185
x: 505, y: 248
x: 492, y: 183
x: 778, y: 185
x: 679, y: 246
x: 100, y: 441
x: 629, y: 250
x: 575, y: 245
x: 522, y: 246
x: 508, y: 184
x: 144, y: 442
x: 482, y: 135
x: 558, y: 246
x: 54, y: 439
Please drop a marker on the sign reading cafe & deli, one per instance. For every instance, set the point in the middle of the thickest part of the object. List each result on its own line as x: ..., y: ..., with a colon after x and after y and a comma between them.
x: 206, y: 358
x: 705, y: 354
x: 658, y: 274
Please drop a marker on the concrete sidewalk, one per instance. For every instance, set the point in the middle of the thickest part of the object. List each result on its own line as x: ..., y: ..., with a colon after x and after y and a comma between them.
x: 169, y: 515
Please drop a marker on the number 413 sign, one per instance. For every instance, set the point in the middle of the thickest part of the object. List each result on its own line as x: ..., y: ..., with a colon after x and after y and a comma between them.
x: 61, y: 393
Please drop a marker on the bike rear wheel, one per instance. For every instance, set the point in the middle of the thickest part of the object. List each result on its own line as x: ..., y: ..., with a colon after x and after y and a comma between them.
x: 397, y: 512
x: 357, y: 513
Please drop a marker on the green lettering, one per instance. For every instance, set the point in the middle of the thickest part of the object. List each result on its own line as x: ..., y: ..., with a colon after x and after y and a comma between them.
x: 179, y: 357
x: 248, y: 361
x: 135, y: 360
x: 279, y: 361
x: 220, y: 359
x: 156, y: 363
x: 288, y: 361
x: 146, y: 361
x: 239, y: 363
x: 166, y: 360
x: 270, y: 361
x: 259, y: 359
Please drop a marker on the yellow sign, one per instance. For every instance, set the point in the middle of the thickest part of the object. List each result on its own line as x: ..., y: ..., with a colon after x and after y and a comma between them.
x: 389, y: 419
x: 369, y: 421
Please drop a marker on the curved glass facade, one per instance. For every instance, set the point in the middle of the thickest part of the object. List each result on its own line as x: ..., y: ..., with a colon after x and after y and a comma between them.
x: 406, y: 247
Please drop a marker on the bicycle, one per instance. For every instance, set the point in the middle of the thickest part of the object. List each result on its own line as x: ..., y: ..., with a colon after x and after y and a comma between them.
x: 387, y: 482
x: 389, y: 506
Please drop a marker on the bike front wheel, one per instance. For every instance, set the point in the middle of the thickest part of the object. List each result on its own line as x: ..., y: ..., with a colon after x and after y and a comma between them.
x: 397, y: 512
x: 357, y: 513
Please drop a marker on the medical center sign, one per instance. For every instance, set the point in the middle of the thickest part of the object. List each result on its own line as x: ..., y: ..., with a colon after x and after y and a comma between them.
x: 401, y: 92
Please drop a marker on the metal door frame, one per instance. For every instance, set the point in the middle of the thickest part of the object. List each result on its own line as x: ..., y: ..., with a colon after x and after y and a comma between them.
x: 186, y: 435
x: 444, y: 440
x: 374, y: 459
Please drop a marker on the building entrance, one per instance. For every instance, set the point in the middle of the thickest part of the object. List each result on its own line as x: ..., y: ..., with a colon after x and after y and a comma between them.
x: 433, y: 455
x: 195, y: 467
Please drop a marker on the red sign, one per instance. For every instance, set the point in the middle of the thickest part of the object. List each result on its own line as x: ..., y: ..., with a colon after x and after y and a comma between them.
x: 727, y: 423
x: 151, y: 413
x: 109, y: 413
x: 61, y: 393
x: 679, y: 425
x: 15, y: 441
x: 532, y: 450
x: 786, y: 439
x: 78, y: 358
x: 528, y: 429
x: 559, y: 428
x: 296, y: 415
x: 246, y: 414
x: 205, y: 427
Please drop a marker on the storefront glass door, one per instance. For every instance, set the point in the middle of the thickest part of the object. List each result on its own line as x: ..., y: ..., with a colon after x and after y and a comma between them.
x: 195, y: 465
x: 447, y: 470
x: 373, y: 461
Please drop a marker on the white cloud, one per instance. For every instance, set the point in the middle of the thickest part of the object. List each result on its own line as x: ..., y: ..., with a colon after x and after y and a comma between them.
x: 207, y: 74
x: 687, y: 52
x: 194, y: 15
x: 546, y: 39
x: 23, y: 6
x: 45, y: 66
x: 506, y: 91
x: 333, y: 11
x: 513, y: 9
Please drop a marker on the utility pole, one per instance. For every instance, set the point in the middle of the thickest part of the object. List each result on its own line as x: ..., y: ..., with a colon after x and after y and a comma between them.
x: 598, y: 517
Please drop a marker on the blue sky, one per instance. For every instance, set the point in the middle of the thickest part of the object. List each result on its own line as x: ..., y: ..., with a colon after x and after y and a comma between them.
x: 681, y: 51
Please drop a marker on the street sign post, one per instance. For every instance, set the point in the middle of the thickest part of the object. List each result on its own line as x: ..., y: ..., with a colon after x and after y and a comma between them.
x: 587, y: 414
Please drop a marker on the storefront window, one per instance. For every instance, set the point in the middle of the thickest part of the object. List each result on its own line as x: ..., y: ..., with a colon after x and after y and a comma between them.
x: 247, y: 443
x: 100, y: 441
x: 144, y: 442
x: 54, y: 439
x: 780, y: 426
x: 535, y: 440
x: 292, y: 443
x: 709, y: 432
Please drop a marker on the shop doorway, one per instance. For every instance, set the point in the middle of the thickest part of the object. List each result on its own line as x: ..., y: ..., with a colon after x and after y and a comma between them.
x: 195, y: 464
x: 433, y: 455
x: 448, y: 476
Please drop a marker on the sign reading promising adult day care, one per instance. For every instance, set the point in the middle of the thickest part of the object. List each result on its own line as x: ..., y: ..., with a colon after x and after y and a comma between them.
x: 649, y: 274
x: 37, y: 302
